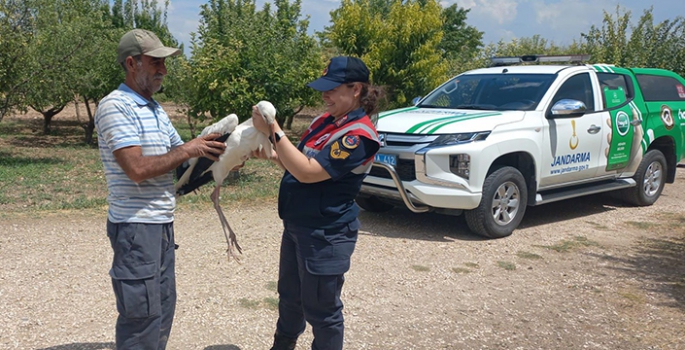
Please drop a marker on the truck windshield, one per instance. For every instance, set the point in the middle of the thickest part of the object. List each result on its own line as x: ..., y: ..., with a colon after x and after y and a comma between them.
x: 501, y: 92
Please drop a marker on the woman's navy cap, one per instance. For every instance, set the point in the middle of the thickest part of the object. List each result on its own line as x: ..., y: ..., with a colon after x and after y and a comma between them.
x: 341, y: 70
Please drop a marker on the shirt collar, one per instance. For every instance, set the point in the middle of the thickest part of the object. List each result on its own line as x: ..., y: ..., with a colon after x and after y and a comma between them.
x: 354, y: 115
x: 140, y: 100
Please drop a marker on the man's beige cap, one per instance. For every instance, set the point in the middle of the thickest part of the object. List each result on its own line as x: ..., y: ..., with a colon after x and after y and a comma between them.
x: 143, y: 42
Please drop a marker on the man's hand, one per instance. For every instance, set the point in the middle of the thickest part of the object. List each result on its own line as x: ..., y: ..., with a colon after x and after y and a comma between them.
x: 205, y: 146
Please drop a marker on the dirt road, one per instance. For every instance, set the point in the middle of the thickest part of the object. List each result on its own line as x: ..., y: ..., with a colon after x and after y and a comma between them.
x: 589, y: 273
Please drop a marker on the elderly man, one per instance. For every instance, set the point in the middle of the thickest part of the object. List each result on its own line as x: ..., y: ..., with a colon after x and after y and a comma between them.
x: 139, y: 148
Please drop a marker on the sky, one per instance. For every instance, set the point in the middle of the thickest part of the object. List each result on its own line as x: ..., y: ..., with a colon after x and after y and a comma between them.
x: 560, y: 21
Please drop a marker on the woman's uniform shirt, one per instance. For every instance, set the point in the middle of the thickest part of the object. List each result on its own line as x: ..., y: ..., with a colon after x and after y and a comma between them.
x: 345, y: 149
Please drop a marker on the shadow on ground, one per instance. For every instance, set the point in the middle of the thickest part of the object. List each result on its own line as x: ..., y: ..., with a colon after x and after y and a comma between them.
x: 9, y: 160
x: 82, y: 346
x: 659, y: 263
x: 108, y: 346
x: 222, y: 347
x: 402, y: 223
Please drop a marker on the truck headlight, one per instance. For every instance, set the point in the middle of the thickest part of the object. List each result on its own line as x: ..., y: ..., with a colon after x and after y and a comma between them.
x: 460, y: 165
x: 455, y: 139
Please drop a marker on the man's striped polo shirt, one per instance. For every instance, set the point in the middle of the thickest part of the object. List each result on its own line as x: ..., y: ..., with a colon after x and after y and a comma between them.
x: 125, y: 119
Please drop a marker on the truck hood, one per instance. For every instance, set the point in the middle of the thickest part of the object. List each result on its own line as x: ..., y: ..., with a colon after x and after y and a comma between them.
x: 426, y: 121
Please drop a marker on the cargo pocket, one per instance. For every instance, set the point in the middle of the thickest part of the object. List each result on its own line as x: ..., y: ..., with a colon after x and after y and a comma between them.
x: 327, y: 266
x: 137, y: 290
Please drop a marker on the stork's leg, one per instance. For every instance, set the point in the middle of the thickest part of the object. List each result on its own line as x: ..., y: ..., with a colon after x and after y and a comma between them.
x: 231, y: 238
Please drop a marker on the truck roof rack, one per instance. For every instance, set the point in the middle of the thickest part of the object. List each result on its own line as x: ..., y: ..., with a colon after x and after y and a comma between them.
x: 528, y: 59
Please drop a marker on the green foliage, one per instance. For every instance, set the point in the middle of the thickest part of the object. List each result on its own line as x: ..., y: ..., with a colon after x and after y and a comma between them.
x: 460, y: 42
x: 17, y: 33
x: 65, y: 33
x: 644, y: 44
x: 241, y: 56
x: 52, y: 173
x: 60, y: 50
x: 399, y: 43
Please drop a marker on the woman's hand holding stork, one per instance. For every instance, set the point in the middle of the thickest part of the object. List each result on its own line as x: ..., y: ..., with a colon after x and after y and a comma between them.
x: 304, y: 169
x: 261, y: 125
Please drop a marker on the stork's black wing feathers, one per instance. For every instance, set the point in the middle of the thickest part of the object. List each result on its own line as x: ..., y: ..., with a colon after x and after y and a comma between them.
x: 197, y: 178
x: 195, y: 183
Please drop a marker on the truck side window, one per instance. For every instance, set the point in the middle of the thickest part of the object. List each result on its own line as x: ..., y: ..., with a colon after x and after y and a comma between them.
x: 660, y: 88
x: 615, y: 81
x: 577, y: 87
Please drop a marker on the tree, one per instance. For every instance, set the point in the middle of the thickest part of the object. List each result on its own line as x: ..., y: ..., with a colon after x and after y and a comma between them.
x: 644, y: 44
x: 400, y: 44
x: 65, y: 32
x: 99, y: 72
x: 17, y: 30
x: 241, y: 55
x: 461, y: 42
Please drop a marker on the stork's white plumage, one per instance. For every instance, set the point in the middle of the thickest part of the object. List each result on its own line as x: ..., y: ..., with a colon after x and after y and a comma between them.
x: 242, y: 141
x: 224, y: 127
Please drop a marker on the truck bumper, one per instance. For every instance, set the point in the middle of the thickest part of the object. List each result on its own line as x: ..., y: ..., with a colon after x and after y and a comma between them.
x: 417, y: 195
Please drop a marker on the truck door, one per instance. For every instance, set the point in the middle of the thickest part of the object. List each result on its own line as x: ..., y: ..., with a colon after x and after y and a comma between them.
x: 620, y: 140
x: 623, y: 147
x: 572, y: 153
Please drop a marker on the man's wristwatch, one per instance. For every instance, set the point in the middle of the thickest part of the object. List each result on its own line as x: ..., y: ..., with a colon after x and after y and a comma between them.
x: 279, y: 135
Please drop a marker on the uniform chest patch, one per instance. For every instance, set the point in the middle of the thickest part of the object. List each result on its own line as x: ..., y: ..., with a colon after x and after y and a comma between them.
x: 351, y: 141
x: 338, y: 152
x: 322, y: 139
x: 341, y: 121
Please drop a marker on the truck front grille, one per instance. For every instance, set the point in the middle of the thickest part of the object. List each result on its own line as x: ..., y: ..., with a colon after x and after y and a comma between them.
x: 405, y: 169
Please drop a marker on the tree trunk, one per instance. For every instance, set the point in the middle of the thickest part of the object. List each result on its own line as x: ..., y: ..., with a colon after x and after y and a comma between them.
x: 47, y: 117
x: 288, y: 124
x: 191, y: 124
x: 90, y: 126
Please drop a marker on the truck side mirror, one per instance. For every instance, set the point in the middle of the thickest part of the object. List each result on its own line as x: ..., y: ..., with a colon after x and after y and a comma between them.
x: 568, y: 108
x: 416, y: 100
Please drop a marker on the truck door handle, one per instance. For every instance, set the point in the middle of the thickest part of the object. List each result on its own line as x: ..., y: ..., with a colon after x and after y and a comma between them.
x: 636, y: 122
x: 594, y: 129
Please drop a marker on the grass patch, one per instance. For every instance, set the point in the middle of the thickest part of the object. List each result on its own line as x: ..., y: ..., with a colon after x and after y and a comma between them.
x: 59, y: 172
x: 528, y: 255
x: 597, y: 226
x: 674, y: 221
x: 471, y: 265
x: 460, y: 270
x: 632, y: 297
x: 271, y: 303
x: 566, y: 246
x: 272, y: 286
x: 643, y: 225
x: 249, y: 303
x: 506, y: 265
x: 420, y: 268
x: 266, y: 303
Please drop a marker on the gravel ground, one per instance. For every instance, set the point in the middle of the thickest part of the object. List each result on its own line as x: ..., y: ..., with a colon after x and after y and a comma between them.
x: 588, y: 273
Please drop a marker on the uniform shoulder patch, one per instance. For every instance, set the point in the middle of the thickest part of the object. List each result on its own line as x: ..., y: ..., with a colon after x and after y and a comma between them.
x: 338, y: 152
x: 351, y: 141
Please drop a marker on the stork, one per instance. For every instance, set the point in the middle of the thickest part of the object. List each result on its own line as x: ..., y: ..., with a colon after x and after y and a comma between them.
x: 241, y: 141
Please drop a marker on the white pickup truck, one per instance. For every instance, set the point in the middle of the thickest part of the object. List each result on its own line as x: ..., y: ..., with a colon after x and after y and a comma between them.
x: 490, y: 142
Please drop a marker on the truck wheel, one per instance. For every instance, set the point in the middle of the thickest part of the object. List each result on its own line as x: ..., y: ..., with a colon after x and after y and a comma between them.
x: 501, y: 209
x: 650, y: 177
x: 373, y: 204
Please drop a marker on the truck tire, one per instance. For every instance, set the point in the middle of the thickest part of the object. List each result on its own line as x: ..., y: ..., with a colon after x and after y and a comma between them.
x: 501, y: 209
x: 650, y: 177
x: 373, y: 204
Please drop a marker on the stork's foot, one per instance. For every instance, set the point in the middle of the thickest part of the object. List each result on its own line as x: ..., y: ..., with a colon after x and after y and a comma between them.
x: 233, y: 250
